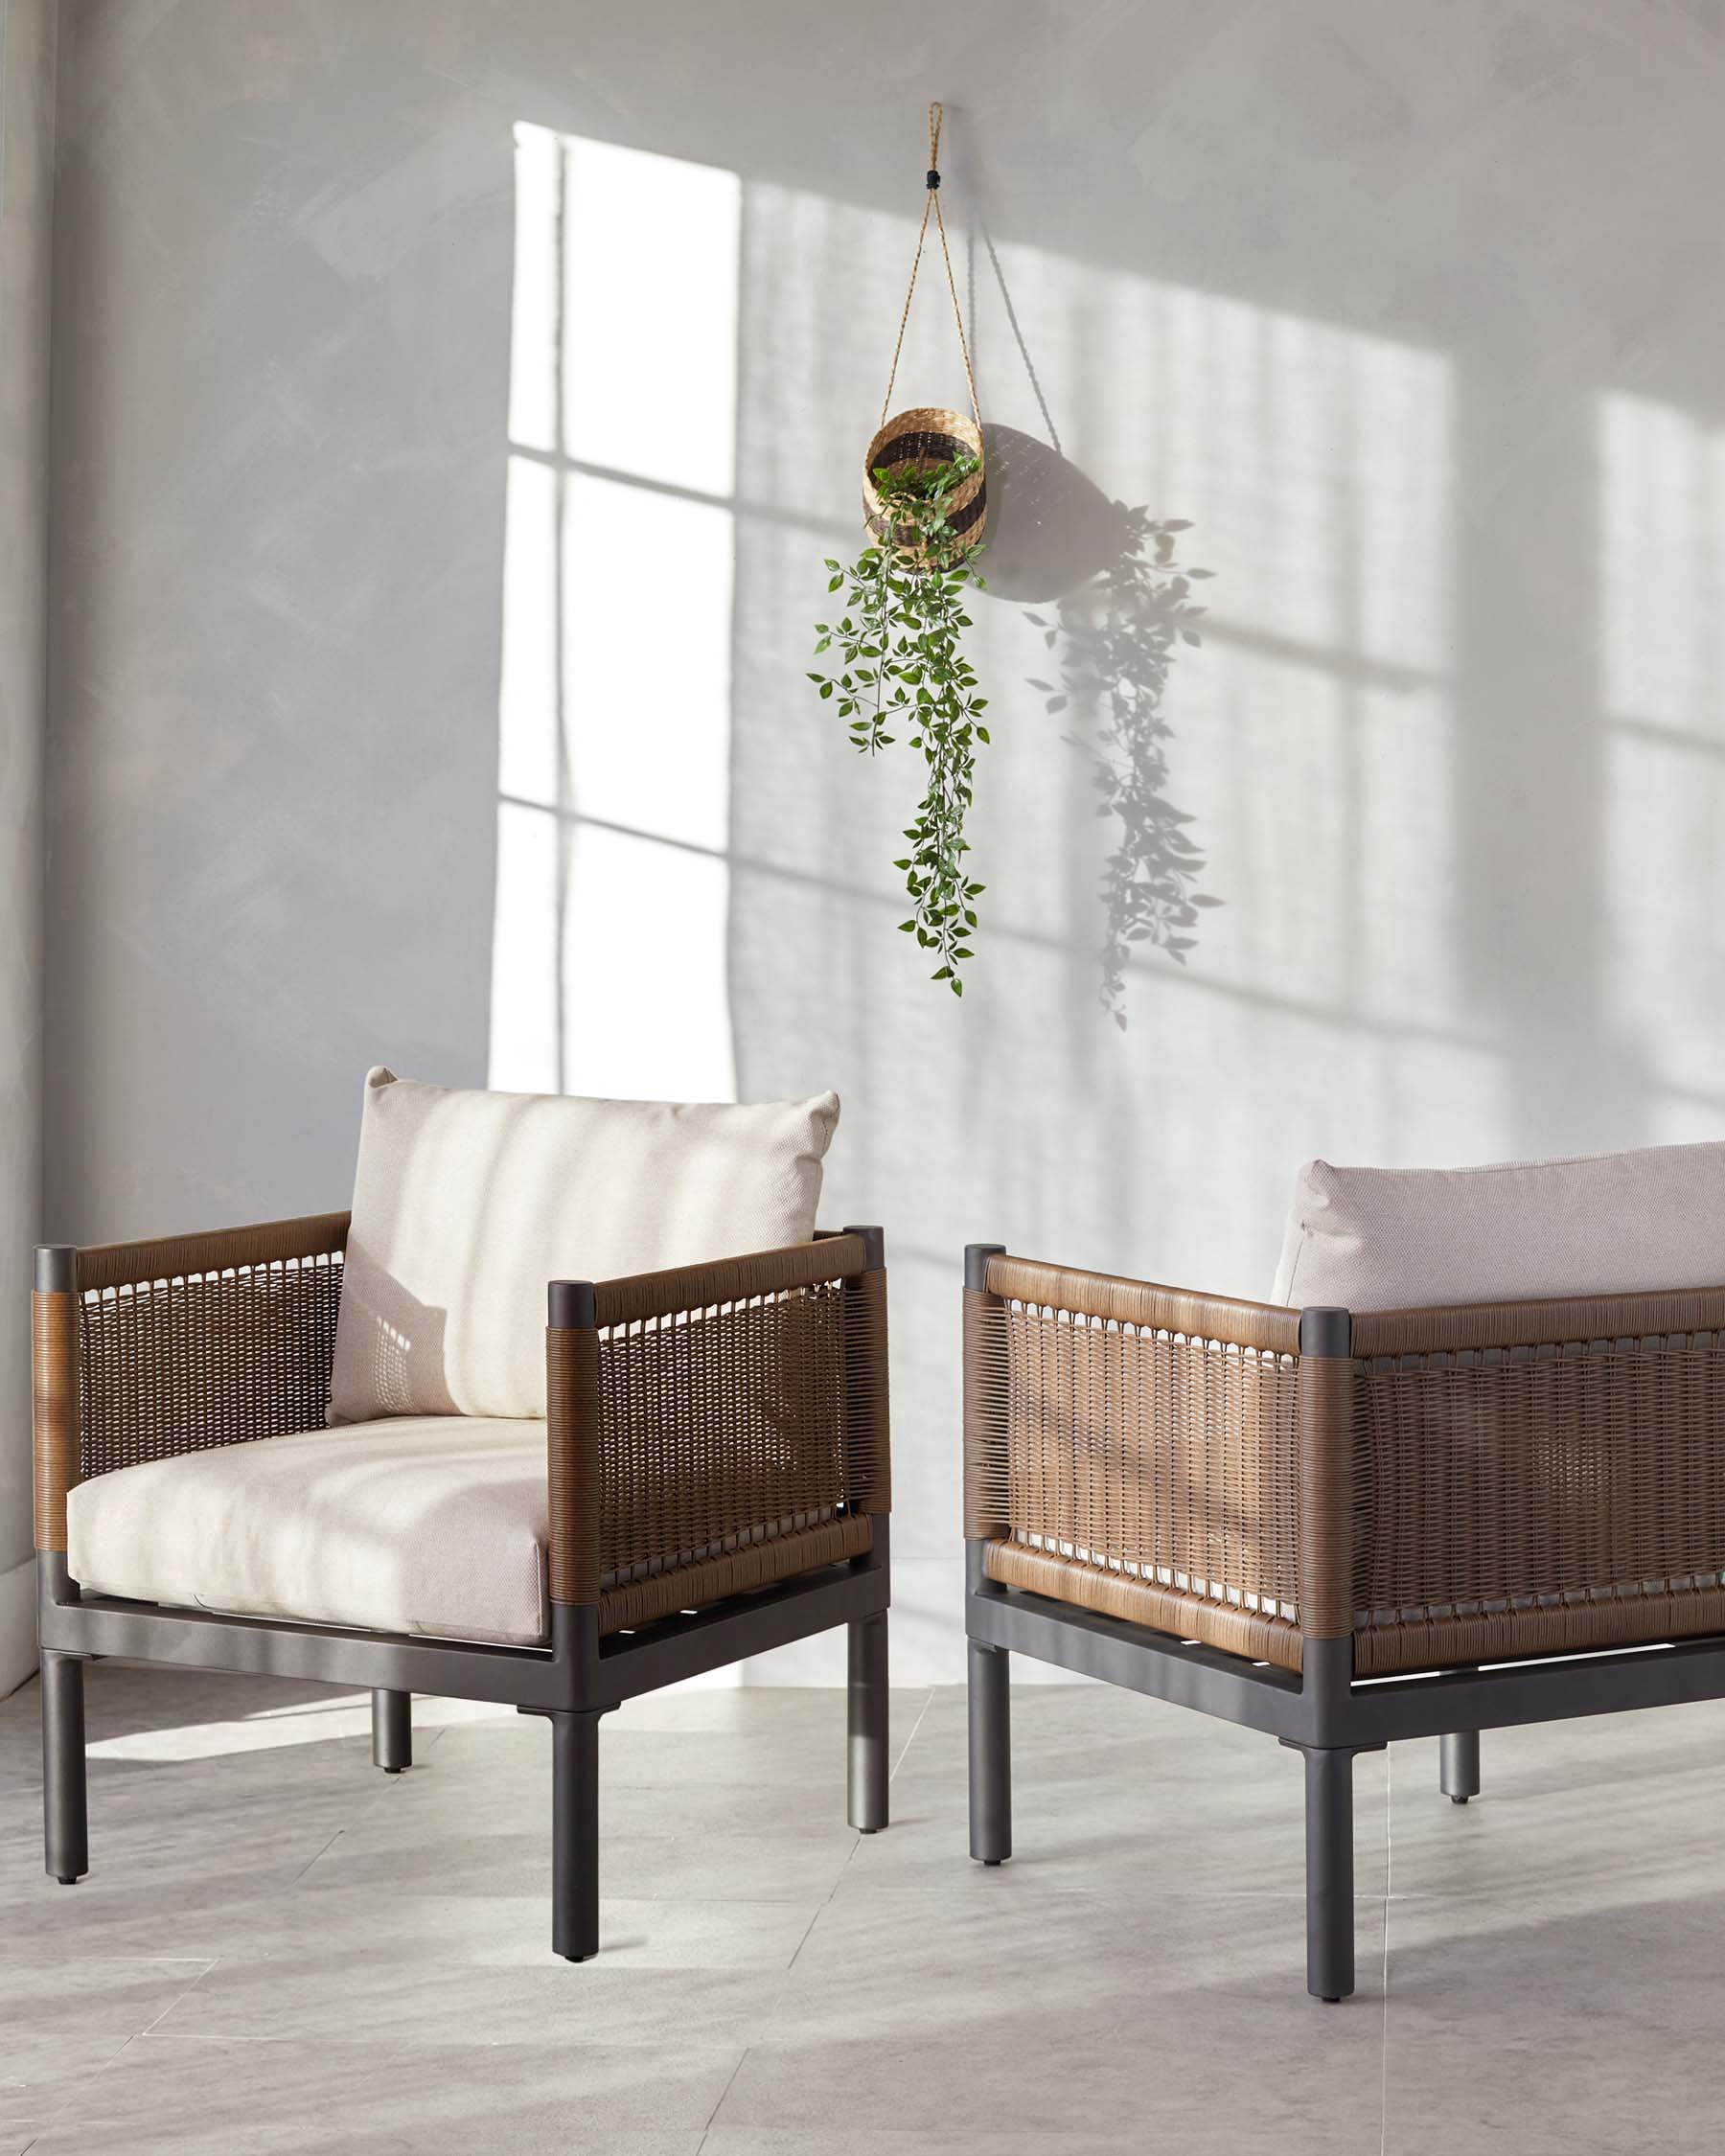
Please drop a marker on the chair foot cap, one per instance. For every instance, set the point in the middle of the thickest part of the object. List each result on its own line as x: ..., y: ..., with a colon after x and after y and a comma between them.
x: 1457, y: 1800
x: 868, y: 1830
x: 1332, y: 1998
x: 392, y: 1770
x: 577, y: 1957
x: 993, y: 1863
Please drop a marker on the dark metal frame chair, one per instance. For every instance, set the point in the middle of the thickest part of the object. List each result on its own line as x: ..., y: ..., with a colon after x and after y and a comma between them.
x: 1340, y: 1530
x: 718, y: 1481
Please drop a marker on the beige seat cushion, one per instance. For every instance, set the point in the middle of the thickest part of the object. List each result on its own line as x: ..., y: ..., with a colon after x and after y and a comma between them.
x: 1604, y: 1224
x: 422, y: 1524
x: 466, y: 1204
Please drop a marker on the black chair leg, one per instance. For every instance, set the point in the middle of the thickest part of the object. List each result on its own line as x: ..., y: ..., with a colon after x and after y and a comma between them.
x: 575, y: 1835
x: 1329, y: 1873
x: 65, y: 1809
x: 990, y: 1701
x: 868, y: 1719
x: 392, y: 1731
x: 1459, y: 1766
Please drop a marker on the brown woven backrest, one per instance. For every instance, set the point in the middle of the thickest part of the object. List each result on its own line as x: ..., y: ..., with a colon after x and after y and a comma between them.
x: 1149, y: 1436
x: 209, y: 1339
x: 1538, y: 1476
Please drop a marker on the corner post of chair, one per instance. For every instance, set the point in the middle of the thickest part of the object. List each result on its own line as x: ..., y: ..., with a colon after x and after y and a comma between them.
x: 1326, y: 1609
x: 988, y: 1667
x: 575, y: 1469
x: 56, y: 1464
x: 1327, y: 1596
x: 868, y: 1483
x: 575, y: 1491
x: 868, y: 1397
x: 55, y: 1375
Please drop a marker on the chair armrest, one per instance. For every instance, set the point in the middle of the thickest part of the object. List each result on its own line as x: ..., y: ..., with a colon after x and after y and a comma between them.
x: 1167, y: 1457
x: 713, y: 1426
x: 146, y: 1350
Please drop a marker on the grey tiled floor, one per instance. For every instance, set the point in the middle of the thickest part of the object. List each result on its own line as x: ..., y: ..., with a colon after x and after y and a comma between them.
x: 282, y: 1950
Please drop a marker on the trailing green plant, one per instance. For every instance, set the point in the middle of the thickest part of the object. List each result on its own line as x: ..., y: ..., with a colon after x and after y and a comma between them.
x: 901, y: 664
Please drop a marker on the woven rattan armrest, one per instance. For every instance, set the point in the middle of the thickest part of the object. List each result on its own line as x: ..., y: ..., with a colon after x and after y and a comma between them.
x: 1159, y: 1455
x: 715, y: 1428
x: 146, y: 1350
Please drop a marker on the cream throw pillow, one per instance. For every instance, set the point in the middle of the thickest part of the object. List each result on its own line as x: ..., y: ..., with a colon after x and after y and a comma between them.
x: 466, y: 1204
x: 1605, y: 1224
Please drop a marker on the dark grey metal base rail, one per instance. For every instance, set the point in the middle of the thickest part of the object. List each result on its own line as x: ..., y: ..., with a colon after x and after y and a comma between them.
x: 1325, y: 1713
x: 574, y: 1682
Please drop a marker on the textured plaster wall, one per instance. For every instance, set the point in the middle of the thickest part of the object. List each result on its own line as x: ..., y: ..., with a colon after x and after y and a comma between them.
x: 1412, y: 311
x: 27, y: 58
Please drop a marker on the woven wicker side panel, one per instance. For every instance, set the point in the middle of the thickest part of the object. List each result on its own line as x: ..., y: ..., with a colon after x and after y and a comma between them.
x: 721, y: 1423
x: 175, y: 1365
x: 1525, y: 1499
x: 1142, y: 1453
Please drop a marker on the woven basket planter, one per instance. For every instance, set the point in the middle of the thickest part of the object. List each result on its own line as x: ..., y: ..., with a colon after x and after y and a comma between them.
x: 924, y: 437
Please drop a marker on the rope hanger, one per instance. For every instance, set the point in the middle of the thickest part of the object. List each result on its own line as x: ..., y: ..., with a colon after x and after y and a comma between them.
x: 932, y: 201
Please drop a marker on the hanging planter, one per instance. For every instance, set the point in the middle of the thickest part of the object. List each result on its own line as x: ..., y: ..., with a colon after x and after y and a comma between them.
x: 922, y: 441
x: 900, y: 639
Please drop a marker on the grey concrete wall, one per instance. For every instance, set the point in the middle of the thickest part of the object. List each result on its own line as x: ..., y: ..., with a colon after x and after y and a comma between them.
x: 27, y: 57
x: 1410, y: 310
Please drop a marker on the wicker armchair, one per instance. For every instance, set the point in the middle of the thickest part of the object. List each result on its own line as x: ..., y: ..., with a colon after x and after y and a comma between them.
x: 1339, y: 1531
x: 717, y: 1485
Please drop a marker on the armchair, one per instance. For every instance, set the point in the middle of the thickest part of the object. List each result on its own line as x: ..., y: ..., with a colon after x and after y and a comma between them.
x: 712, y: 1480
x: 1340, y: 1529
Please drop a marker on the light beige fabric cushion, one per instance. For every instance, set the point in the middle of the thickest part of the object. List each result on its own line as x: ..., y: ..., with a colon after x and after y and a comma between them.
x: 421, y: 1523
x: 1603, y: 1223
x: 466, y: 1204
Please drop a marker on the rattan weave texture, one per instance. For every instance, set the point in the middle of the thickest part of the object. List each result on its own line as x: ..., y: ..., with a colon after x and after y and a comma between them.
x: 1545, y: 1495
x: 735, y: 1425
x: 1128, y: 1464
x: 1474, y: 1484
x: 727, y: 1428
x: 205, y: 1341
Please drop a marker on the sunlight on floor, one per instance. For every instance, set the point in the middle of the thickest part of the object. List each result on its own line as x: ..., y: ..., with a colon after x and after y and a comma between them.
x: 344, y: 1715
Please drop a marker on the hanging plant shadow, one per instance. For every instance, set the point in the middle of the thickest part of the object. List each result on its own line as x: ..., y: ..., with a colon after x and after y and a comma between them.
x: 1053, y: 529
x: 1123, y: 607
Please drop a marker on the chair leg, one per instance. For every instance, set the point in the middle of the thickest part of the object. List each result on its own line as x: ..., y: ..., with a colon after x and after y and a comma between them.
x: 392, y: 1731
x: 1329, y: 1873
x: 575, y: 1835
x: 867, y: 1716
x: 66, y: 1811
x: 989, y: 1673
x: 1459, y: 1766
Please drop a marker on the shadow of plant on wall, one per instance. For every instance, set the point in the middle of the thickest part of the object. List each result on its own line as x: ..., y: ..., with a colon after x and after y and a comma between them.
x: 1121, y: 606
x: 1115, y: 639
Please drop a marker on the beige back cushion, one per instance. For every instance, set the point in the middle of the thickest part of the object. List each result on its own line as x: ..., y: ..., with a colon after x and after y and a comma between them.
x: 1607, y: 1223
x: 466, y: 1204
